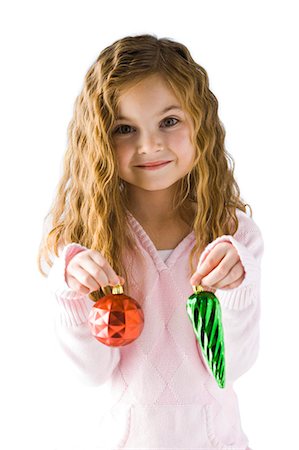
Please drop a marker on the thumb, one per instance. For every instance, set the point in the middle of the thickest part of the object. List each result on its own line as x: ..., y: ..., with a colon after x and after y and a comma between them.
x: 121, y: 280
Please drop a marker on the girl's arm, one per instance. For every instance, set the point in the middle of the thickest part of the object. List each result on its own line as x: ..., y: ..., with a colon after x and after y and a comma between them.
x: 93, y: 361
x: 241, y: 305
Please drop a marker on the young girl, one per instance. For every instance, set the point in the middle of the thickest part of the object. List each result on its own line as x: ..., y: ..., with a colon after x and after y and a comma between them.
x: 148, y: 200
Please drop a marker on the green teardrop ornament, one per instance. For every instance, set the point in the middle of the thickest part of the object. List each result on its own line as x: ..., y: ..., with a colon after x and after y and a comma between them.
x: 204, y: 311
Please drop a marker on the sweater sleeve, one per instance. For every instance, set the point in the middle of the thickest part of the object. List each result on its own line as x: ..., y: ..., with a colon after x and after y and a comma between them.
x: 241, y: 306
x: 93, y: 361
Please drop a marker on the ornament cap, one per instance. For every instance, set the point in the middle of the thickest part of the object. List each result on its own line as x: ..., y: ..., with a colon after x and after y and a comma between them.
x: 197, y: 288
x: 117, y: 289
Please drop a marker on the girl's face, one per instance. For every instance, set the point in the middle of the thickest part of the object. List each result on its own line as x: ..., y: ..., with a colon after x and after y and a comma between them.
x: 145, y: 132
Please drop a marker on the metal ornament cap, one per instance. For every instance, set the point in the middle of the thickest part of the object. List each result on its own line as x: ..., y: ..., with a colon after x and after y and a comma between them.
x: 204, y: 311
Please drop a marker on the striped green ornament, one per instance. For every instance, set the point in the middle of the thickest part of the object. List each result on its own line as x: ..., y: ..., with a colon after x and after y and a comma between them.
x: 204, y: 311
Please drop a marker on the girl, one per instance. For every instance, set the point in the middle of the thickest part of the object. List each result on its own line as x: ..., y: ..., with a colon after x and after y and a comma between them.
x: 148, y: 200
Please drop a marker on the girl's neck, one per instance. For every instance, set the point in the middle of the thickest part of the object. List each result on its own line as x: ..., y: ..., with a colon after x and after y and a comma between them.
x: 155, y: 208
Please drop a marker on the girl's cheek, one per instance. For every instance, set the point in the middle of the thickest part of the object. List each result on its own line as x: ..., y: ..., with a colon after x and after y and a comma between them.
x: 123, y: 158
x: 177, y: 138
x: 124, y: 147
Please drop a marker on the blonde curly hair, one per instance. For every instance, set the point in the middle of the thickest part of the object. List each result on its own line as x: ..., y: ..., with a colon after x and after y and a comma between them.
x: 90, y: 207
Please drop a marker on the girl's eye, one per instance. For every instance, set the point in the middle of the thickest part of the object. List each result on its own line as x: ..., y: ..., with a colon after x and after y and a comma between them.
x: 171, y: 118
x: 121, y: 127
x: 125, y: 129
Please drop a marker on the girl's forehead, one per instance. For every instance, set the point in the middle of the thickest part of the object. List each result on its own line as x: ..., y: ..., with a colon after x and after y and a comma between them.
x: 148, y: 88
x: 146, y: 78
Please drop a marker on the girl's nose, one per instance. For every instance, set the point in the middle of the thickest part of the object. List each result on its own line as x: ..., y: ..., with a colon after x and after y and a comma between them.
x: 149, y: 143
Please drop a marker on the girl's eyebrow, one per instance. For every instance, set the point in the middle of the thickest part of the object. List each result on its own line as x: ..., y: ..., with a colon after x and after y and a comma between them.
x: 162, y: 112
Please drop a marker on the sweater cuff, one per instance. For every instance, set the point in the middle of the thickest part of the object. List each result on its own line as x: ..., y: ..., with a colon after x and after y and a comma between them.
x: 74, y: 306
x: 242, y: 296
x: 74, y: 311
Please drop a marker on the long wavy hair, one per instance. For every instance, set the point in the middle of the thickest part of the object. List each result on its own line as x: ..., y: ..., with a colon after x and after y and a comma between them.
x: 90, y: 206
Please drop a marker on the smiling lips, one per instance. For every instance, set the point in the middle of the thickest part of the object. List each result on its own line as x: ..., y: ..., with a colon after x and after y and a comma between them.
x: 154, y: 165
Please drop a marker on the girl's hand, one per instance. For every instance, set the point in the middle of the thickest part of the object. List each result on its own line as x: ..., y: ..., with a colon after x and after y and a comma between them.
x: 221, y: 269
x: 88, y: 271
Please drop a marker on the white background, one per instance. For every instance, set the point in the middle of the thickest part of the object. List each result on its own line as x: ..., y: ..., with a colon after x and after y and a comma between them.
x: 250, y: 53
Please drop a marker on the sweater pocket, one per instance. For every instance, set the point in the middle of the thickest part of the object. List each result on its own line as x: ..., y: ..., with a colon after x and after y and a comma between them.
x: 223, y: 428
x: 167, y: 427
x: 113, y: 430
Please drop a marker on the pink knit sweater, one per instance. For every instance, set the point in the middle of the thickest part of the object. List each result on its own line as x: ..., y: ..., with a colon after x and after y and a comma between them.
x: 163, y: 396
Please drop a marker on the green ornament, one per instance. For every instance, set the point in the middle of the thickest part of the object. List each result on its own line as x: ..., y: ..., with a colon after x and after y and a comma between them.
x: 204, y: 311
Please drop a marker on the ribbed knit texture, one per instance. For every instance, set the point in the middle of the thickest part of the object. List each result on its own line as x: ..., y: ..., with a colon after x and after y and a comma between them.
x: 163, y: 395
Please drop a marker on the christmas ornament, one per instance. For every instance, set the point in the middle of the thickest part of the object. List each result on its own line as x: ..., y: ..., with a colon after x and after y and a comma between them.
x: 204, y: 311
x: 116, y: 319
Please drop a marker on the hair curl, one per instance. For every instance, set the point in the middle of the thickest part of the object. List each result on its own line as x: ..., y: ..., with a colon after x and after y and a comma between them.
x: 90, y: 205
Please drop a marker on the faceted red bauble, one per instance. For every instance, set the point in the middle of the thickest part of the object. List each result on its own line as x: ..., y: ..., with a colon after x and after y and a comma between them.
x: 116, y: 319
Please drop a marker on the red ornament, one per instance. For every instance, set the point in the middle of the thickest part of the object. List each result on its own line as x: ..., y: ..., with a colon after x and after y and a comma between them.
x: 116, y: 319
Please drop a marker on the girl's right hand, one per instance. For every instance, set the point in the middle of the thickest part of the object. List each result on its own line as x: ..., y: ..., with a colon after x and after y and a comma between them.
x: 88, y: 271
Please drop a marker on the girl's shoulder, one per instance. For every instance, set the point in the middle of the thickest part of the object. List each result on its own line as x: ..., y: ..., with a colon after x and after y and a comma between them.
x: 247, y: 227
x: 246, y: 221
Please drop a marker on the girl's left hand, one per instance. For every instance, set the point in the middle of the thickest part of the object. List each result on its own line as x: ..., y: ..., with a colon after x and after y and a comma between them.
x: 221, y: 269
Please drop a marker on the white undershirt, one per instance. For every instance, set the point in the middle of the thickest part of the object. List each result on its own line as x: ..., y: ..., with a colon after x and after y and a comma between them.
x: 165, y: 253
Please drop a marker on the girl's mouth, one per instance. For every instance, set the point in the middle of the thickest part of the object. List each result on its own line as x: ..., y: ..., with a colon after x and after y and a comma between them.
x: 154, y: 167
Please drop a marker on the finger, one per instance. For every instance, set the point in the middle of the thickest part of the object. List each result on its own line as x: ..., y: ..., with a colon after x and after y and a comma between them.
x: 74, y: 284
x: 235, y: 274
x: 100, y: 269
x: 221, y: 271
x: 86, y: 279
x: 235, y: 284
x: 211, y: 261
